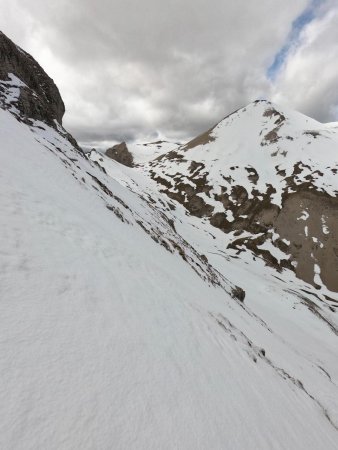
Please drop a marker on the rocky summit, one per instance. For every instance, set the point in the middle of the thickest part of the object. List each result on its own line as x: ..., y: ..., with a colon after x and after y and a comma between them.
x: 21, y: 75
x: 121, y: 154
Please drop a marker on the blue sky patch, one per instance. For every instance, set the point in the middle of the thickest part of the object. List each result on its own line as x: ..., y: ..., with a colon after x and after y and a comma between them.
x: 307, y: 16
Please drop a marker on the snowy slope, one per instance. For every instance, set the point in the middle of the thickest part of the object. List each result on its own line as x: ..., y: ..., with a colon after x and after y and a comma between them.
x: 108, y: 340
x: 146, y: 151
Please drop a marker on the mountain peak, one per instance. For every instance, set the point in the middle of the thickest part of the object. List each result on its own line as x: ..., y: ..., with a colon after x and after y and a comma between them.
x: 264, y: 175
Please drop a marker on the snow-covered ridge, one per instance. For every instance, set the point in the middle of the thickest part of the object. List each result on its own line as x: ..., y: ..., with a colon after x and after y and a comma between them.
x: 262, y: 136
x: 146, y: 151
x: 332, y: 125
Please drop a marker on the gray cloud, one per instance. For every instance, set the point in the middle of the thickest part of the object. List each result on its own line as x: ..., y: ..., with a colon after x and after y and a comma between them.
x: 131, y: 69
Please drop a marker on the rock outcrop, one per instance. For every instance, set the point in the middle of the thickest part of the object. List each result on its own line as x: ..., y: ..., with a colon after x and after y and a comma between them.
x: 25, y: 85
x: 121, y: 154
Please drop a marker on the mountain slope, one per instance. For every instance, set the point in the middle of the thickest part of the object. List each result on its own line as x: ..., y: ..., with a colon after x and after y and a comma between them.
x: 124, y: 324
x: 109, y: 338
x: 268, y: 178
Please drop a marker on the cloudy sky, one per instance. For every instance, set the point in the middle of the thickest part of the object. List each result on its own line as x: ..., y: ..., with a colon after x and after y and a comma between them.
x: 146, y: 69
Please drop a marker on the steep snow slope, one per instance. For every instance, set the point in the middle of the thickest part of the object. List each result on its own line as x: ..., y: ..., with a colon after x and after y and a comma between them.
x: 267, y: 177
x: 110, y: 340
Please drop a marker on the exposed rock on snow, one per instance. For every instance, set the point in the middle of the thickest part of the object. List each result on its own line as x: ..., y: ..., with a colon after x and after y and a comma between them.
x: 121, y: 154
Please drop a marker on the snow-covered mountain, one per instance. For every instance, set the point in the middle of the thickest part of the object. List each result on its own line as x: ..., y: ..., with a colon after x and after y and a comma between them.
x: 268, y: 177
x: 128, y: 322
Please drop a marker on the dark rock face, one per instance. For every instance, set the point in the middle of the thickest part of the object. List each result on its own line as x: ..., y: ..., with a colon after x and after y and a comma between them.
x: 121, y: 154
x: 322, y: 222
x: 39, y: 97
